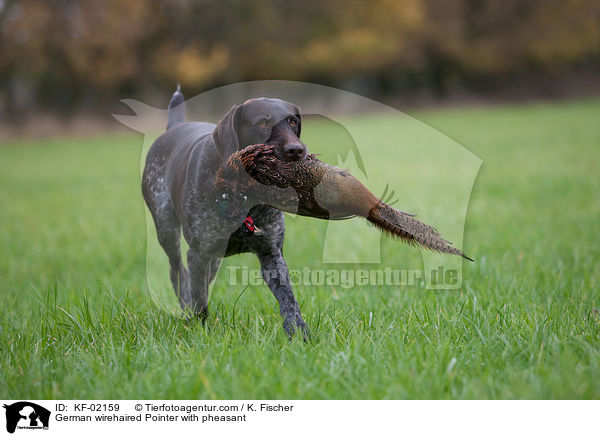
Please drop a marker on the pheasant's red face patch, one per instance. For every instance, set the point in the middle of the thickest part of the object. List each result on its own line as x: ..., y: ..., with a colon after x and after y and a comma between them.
x: 249, y: 223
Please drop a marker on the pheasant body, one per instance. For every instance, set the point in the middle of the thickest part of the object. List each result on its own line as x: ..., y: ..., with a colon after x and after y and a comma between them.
x: 313, y: 188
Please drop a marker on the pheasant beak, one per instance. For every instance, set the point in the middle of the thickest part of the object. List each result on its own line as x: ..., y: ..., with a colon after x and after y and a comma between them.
x: 257, y: 231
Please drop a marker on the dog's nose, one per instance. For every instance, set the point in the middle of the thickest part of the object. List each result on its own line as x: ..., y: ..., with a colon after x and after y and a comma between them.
x: 295, y: 151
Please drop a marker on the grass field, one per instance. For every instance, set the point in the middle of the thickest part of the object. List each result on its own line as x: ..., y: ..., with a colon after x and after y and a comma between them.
x: 76, y: 320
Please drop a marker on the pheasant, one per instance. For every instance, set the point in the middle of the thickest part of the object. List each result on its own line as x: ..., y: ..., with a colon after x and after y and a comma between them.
x: 313, y: 188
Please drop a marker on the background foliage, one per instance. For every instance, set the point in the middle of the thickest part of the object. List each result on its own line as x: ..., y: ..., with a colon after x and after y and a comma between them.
x: 63, y: 53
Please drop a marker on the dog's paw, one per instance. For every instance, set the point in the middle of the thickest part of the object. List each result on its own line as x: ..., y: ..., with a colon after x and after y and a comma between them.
x: 294, y: 324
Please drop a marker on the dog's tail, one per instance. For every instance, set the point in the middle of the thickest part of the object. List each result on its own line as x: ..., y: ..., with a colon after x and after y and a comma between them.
x: 176, y: 108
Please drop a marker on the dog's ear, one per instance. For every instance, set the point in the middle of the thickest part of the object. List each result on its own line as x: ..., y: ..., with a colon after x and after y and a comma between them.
x: 299, y: 115
x: 226, y: 134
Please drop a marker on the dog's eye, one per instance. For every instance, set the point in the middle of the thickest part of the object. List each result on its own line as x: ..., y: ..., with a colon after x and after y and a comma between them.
x: 262, y: 123
x: 292, y: 121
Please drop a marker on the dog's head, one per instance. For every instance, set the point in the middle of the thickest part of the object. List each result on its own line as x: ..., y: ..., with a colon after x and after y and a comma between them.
x: 262, y: 121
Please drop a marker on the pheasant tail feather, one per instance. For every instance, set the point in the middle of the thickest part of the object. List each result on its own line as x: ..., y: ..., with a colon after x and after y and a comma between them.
x: 410, y: 230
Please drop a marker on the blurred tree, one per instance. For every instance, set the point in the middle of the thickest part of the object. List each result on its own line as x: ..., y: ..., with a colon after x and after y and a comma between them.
x: 63, y: 53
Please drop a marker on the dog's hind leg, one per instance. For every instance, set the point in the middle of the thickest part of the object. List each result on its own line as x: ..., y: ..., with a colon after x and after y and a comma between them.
x: 203, y: 269
x: 168, y: 230
x: 169, y: 237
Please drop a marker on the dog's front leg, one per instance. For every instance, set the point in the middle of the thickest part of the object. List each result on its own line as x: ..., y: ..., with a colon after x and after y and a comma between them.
x: 276, y: 275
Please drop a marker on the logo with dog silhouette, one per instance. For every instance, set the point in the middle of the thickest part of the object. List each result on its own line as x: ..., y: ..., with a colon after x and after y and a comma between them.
x: 26, y: 415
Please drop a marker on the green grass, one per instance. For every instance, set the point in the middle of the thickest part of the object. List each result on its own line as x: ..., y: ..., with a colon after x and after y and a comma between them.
x: 76, y: 320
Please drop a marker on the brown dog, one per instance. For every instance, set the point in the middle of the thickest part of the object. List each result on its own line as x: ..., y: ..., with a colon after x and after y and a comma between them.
x: 177, y: 185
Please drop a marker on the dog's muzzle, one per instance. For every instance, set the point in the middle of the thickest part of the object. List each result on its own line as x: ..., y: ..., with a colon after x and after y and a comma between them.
x: 294, y: 152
